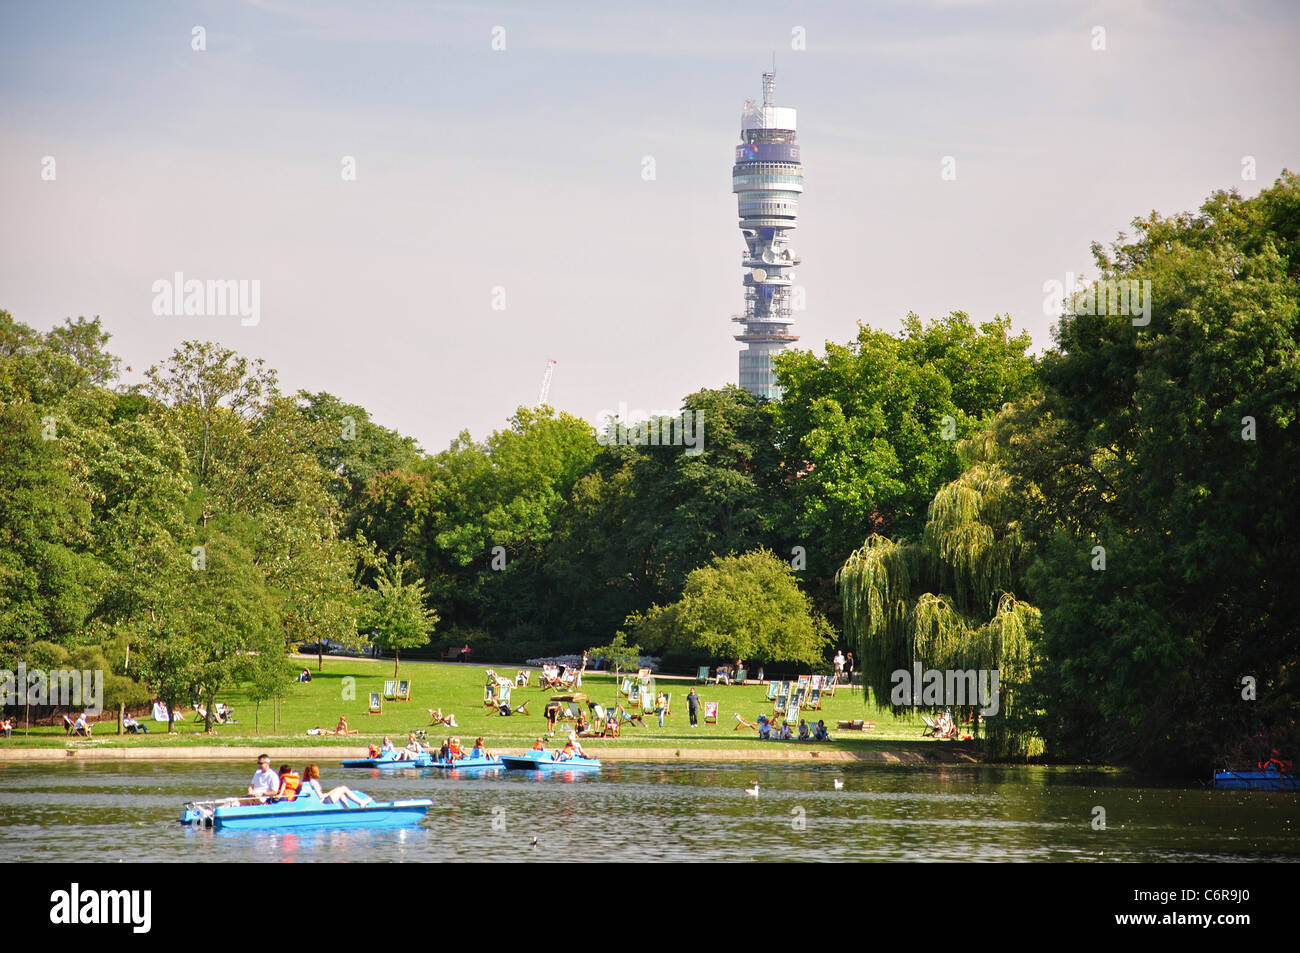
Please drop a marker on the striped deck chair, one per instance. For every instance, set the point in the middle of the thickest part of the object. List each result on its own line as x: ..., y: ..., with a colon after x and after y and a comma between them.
x: 403, y: 691
x: 772, y: 688
x: 815, y: 698
x: 626, y: 688
x: 702, y: 676
x: 782, y: 700
x: 390, y: 690
x: 634, y: 694
x: 792, y: 715
x: 376, y: 704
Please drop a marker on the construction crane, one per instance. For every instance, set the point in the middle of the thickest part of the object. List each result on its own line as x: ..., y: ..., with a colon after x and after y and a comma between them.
x: 546, y: 383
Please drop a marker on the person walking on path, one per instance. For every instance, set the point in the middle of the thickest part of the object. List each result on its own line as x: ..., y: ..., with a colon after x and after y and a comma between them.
x: 693, y: 707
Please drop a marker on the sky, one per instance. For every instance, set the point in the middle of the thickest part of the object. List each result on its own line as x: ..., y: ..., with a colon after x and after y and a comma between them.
x: 501, y: 214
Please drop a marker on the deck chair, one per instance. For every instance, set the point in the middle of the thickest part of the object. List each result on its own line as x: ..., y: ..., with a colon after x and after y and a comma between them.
x: 626, y: 687
x: 931, y: 729
x: 376, y: 704
x: 633, y: 717
x: 390, y: 690
x: 634, y: 696
x: 710, y: 713
x: 800, y: 696
x: 782, y: 701
x: 741, y: 675
x: 792, y: 714
x: 648, y: 702
x: 490, y: 698
x: 68, y: 725
x: 702, y: 676
x: 815, y: 698
x: 403, y: 691
x: 772, y: 688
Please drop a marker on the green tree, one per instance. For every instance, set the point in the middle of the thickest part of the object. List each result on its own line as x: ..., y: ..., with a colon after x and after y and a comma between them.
x: 747, y: 606
x: 397, y: 615
x: 1170, y: 445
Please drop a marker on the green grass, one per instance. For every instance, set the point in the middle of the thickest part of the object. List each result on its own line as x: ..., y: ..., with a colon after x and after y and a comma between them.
x: 344, y: 685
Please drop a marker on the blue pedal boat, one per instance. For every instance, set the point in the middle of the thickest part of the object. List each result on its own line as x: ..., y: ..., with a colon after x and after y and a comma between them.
x: 247, y: 814
x: 1256, y: 781
x: 546, y: 761
x: 421, y: 761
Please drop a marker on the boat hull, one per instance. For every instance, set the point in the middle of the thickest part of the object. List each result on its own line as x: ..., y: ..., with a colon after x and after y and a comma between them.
x: 425, y: 761
x: 539, y: 761
x: 306, y: 812
x: 1256, y: 781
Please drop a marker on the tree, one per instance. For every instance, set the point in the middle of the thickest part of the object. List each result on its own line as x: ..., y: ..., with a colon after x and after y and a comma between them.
x: 947, y: 601
x: 747, y: 606
x: 869, y: 430
x: 1165, y: 460
x: 619, y: 656
x: 397, y: 615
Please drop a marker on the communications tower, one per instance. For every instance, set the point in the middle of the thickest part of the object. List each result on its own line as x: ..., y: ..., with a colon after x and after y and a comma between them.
x: 768, y: 180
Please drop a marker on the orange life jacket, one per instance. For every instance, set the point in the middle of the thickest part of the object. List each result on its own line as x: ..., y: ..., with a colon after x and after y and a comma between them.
x: 455, y: 749
x: 538, y: 746
x: 373, y: 751
x: 289, y: 785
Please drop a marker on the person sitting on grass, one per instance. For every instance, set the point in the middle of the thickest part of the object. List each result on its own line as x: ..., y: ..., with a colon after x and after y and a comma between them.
x: 787, y: 733
x: 764, y: 728
x: 822, y: 734
x: 804, y: 734
x: 7, y: 726
x: 342, y: 727
x: 339, y: 795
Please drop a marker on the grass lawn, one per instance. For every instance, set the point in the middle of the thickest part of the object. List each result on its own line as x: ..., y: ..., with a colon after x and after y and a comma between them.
x: 344, y: 685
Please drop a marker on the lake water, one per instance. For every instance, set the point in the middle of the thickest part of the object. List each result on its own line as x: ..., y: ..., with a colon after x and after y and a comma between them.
x: 107, y: 811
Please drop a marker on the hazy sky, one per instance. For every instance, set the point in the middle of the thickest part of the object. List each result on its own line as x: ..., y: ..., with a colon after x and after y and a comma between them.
x: 522, y: 169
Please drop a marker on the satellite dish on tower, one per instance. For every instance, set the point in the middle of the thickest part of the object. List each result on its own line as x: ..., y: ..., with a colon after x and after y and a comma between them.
x: 769, y: 255
x: 758, y: 274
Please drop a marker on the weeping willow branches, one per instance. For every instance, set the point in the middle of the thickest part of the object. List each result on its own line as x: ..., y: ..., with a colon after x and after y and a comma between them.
x: 947, y: 601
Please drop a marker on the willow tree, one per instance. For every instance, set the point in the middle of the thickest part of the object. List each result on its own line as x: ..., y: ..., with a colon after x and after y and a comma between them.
x: 947, y: 601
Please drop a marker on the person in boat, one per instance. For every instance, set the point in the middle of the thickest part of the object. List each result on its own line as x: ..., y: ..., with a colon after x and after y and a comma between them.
x: 290, y: 783
x: 412, y: 750
x: 444, y: 753
x: 539, y: 745
x: 820, y: 733
x: 388, y: 751
x: 265, y: 781
x: 566, y: 753
x: 576, y: 744
x: 478, y: 752
x: 454, y: 750
x: 339, y: 795
x: 372, y: 752
x: 1275, y: 764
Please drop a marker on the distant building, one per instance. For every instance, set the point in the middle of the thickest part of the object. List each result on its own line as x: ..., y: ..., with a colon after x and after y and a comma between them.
x: 767, y: 179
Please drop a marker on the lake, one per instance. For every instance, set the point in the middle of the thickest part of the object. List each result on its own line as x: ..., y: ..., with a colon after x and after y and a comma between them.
x: 127, y: 811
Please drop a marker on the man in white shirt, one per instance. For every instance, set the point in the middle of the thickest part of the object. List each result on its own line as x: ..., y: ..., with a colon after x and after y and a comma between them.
x: 265, y: 782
